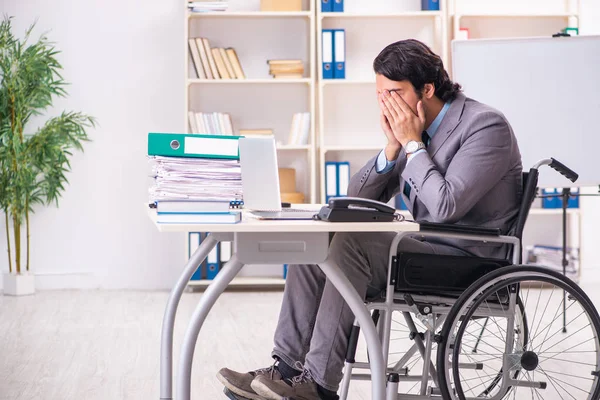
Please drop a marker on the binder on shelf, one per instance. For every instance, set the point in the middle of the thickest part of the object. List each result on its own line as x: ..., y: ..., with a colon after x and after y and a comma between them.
x: 399, y: 203
x: 285, y: 271
x: 556, y: 202
x: 212, y: 263
x: 338, y: 5
x: 343, y: 172
x: 339, y: 56
x: 331, y: 180
x: 194, y: 240
x: 573, y: 200
x: 326, y: 5
x: 224, y: 253
x: 327, y: 53
x: 430, y: 5
x: 193, y: 145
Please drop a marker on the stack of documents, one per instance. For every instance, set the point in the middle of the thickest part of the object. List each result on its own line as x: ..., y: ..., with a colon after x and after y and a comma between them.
x: 197, y: 178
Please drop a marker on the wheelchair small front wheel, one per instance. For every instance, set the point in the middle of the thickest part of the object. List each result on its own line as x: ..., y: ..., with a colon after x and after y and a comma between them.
x: 550, y: 364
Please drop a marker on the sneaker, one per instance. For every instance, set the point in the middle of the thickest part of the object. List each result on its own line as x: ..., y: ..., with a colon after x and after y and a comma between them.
x: 301, y: 387
x: 239, y: 383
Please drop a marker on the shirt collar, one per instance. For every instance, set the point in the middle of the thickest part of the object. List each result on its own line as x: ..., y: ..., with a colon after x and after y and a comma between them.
x: 432, y: 129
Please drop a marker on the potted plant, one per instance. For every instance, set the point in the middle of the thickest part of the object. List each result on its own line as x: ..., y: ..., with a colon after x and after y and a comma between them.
x: 33, y: 162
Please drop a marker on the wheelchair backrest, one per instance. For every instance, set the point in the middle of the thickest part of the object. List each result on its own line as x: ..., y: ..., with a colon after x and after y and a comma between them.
x: 530, y: 181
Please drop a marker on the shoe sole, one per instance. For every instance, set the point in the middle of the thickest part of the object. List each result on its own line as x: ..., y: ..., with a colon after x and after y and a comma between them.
x: 264, y: 391
x: 236, y: 390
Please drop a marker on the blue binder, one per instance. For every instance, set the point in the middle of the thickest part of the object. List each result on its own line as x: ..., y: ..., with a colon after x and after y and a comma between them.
x: 399, y: 203
x: 327, y: 53
x: 326, y: 5
x: 331, y: 180
x: 285, y: 269
x: 339, y: 53
x: 573, y: 201
x: 338, y: 5
x: 430, y: 5
x: 343, y: 178
x: 212, y: 263
x: 194, y: 240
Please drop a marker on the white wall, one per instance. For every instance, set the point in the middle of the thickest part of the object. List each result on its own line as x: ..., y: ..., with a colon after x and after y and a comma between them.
x: 124, y: 60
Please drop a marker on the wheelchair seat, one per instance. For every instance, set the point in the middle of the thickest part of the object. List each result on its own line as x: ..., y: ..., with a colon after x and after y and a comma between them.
x: 440, y: 274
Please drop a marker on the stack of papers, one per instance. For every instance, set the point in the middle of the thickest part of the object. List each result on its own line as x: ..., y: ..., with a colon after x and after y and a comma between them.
x: 179, y: 178
x: 205, y: 6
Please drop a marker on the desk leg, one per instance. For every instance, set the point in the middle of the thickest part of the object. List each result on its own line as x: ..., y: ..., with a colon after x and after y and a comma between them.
x: 208, y: 299
x: 166, y: 342
x: 357, y: 305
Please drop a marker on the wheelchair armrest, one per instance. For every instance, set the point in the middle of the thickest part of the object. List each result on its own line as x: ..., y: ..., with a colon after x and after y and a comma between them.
x: 464, y: 229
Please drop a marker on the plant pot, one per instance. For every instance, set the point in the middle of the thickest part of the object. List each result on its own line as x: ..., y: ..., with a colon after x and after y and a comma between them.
x: 19, y: 284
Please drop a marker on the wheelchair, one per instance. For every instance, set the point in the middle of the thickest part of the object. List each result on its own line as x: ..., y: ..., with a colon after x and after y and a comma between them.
x: 470, y: 328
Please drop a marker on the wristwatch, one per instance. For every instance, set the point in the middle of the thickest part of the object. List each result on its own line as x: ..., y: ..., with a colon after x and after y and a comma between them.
x: 413, y: 146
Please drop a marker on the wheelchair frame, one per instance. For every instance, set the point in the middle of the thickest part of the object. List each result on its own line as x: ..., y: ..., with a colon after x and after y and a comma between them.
x: 395, y: 301
x: 432, y: 310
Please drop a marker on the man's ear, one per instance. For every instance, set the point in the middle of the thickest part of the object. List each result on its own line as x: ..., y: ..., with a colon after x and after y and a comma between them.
x: 428, y: 90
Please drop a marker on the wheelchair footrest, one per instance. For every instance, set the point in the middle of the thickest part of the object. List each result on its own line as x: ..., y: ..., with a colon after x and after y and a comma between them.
x: 434, y: 273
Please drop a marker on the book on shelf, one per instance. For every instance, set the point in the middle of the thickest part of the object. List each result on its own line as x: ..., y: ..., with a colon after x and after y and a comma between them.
x: 216, y: 62
x: 207, y: 6
x: 235, y: 62
x: 210, y: 123
x: 286, y: 69
x: 300, y: 129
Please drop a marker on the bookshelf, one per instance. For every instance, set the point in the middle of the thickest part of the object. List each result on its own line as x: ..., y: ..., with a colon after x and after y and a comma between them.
x: 259, y: 36
x: 344, y: 133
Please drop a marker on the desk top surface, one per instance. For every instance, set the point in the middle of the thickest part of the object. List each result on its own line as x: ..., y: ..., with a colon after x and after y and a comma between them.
x: 249, y: 224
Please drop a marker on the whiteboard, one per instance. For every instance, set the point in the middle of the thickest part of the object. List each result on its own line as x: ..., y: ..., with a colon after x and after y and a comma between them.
x: 548, y: 89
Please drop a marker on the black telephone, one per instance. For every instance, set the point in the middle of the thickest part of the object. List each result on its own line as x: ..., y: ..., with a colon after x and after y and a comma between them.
x: 356, y: 209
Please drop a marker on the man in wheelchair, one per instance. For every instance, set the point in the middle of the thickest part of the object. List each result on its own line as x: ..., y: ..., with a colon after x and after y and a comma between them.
x: 454, y: 161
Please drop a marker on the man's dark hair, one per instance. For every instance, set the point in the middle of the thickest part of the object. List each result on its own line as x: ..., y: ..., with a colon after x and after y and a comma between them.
x: 413, y: 61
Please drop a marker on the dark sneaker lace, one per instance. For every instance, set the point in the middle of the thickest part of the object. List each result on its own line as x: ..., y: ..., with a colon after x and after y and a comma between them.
x: 265, y: 371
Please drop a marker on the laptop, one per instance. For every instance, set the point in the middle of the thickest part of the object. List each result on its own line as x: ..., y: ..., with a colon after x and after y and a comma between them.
x: 260, y: 181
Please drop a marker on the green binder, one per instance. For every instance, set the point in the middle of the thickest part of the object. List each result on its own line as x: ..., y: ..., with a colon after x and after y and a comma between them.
x: 193, y: 145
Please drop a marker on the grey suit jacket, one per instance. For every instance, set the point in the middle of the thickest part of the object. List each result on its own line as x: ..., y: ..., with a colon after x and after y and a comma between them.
x: 471, y: 175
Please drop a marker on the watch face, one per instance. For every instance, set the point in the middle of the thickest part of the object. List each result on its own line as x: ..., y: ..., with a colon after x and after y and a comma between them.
x: 412, y: 146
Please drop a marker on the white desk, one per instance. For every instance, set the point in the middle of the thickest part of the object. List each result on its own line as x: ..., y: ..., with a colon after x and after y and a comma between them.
x: 264, y: 242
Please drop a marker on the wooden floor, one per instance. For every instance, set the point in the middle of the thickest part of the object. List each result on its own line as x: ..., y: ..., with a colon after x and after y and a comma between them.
x: 87, y: 345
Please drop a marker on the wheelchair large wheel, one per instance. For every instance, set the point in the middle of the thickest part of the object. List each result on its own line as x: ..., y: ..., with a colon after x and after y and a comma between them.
x: 550, y: 365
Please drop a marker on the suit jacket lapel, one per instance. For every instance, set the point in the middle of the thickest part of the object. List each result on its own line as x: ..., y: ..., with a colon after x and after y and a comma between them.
x: 449, y: 123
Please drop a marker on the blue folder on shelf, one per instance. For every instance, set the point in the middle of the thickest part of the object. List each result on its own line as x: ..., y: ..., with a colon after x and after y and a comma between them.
x: 343, y: 178
x: 430, y: 5
x: 331, y: 180
x: 339, y: 54
x: 327, y: 53
x: 194, y: 240
x: 212, y: 263
x: 338, y: 5
x: 326, y: 5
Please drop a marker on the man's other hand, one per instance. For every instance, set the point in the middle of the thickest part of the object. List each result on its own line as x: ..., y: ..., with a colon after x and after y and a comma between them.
x: 404, y: 123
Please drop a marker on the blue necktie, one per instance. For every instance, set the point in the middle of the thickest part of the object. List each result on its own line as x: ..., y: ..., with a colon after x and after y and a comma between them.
x: 425, y: 139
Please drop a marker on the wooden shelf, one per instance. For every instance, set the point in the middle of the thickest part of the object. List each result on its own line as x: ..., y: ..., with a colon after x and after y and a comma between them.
x: 249, y: 14
x: 351, y: 148
x: 247, y: 81
x: 337, y: 82
x: 286, y: 147
x: 406, y: 14
x: 516, y: 15
x: 244, y: 282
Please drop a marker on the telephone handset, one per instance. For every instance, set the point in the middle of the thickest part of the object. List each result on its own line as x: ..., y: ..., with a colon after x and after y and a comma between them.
x: 356, y: 209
